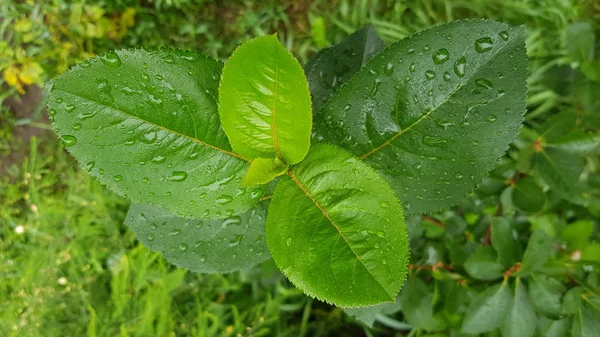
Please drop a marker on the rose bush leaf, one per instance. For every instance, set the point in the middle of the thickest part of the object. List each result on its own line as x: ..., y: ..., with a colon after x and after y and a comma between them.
x: 145, y: 123
x: 337, y: 231
x: 433, y: 112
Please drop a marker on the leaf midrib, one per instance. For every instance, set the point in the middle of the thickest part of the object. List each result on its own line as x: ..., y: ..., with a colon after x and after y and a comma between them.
x: 195, y: 140
x: 426, y: 115
x: 307, y: 193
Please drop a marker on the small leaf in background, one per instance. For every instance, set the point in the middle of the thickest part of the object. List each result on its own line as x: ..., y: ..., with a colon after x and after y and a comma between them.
x: 318, y: 31
x: 577, y: 234
x: 264, y: 170
x: 433, y: 115
x: 546, y: 295
x: 368, y: 315
x: 265, y: 103
x: 586, y: 323
x: 520, y: 319
x: 417, y: 305
x: 579, y: 41
x: 488, y: 309
x: 539, y: 250
x: 331, y: 67
x: 528, y: 196
x: 561, y: 170
x: 203, y: 246
x: 483, y: 264
x: 576, y: 142
x: 572, y: 300
x: 145, y: 123
x: 558, y: 328
x: 509, y: 250
x: 341, y: 237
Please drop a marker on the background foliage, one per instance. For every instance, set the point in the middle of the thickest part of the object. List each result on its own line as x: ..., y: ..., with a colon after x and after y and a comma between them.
x: 69, y: 266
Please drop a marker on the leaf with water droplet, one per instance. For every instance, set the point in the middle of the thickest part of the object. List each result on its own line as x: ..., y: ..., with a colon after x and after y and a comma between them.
x: 263, y: 171
x: 204, y: 246
x: 315, y: 223
x: 136, y: 122
x: 399, y: 127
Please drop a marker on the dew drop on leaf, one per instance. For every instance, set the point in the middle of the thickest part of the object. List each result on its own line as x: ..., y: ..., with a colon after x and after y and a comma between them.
x: 183, y: 247
x: 69, y: 140
x: 430, y: 74
x: 203, y: 258
x: 441, y: 56
x: 484, y: 44
x: 459, y: 67
x: 158, y: 159
x: 175, y: 231
x: 491, y: 118
x: 503, y: 35
x: 433, y: 141
x: 76, y: 126
x: 224, y: 199
x: 178, y: 176
x: 412, y: 67
x: 289, y: 241
x: 384, y: 204
x: 483, y: 83
x: 389, y: 69
x: 236, y: 241
x: 69, y: 107
x: 111, y: 59
x: 118, y: 178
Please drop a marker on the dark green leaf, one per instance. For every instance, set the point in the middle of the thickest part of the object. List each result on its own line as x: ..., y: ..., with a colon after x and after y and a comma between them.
x: 558, y: 328
x: 337, y: 231
x: 576, y: 143
x: 586, y: 323
x: 204, y: 246
x: 145, y: 123
x: 484, y: 265
x: 265, y: 102
x: 433, y: 112
x: 572, y: 300
x: 546, y: 294
x: 520, y: 320
x: 561, y: 170
x: 417, y: 305
x: 508, y: 249
x: 331, y: 67
x: 528, y: 196
x: 579, y: 41
x: 488, y: 309
x: 539, y: 250
x: 264, y: 170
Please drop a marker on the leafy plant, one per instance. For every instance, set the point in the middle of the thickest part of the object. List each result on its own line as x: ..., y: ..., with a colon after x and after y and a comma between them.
x: 194, y: 144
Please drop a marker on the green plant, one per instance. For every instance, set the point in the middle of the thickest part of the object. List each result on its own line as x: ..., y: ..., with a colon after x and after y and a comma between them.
x: 442, y: 105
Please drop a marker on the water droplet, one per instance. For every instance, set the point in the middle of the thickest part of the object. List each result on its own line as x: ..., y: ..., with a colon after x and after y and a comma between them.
x: 118, y: 178
x: 375, y: 87
x: 203, y: 258
x: 69, y: 140
x: 236, y: 241
x: 503, y: 35
x: 145, y: 77
x: 411, y: 50
x: 169, y: 59
x: 111, y: 59
x: 76, y: 126
x: 178, y: 176
x: 84, y: 116
x: 69, y: 107
x: 150, y: 237
x: 500, y: 93
x: 484, y: 44
x: 232, y: 221
x: 491, y: 118
x: 145, y: 180
x: 89, y: 166
x: 441, y: 56
x: 412, y: 67
x: 347, y: 107
x: 158, y: 159
x: 175, y: 231
x: 483, y: 83
x: 86, y: 64
x: 289, y: 241
x: 183, y: 247
x: 384, y: 204
x: 158, y: 77
x: 446, y: 76
x: 389, y: 69
x: 58, y: 100
x: 224, y: 199
x: 459, y: 67
x: 430, y: 74
x: 149, y: 137
x: 101, y: 171
x: 433, y: 141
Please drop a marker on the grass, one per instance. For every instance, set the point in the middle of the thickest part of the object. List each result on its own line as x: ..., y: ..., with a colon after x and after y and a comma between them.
x: 68, y: 266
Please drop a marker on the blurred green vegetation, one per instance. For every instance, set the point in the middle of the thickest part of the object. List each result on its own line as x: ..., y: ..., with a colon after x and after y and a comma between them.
x: 68, y: 266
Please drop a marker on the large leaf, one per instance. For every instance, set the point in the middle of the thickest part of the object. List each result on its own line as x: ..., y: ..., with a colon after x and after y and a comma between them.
x: 204, y: 246
x: 520, y: 320
x: 265, y: 102
x: 337, y: 230
x: 145, y: 123
x: 488, y: 309
x: 546, y: 295
x: 433, y: 112
x: 331, y: 67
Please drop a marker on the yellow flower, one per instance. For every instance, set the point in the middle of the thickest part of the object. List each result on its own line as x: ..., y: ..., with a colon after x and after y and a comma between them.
x: 27, y: 73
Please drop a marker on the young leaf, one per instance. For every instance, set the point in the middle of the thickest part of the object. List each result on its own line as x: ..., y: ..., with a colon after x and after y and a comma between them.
x: 546, y: 294
x: 433, y: 112
x: 508, y: 249
x: 264, y: 170
x: 265, y: 102
x: 488, y: 309
x: 577, y: 234
x: 337, y: 230
x: 528, y: 196
x: 145, y: 123
x: 331, y: 67
x: 520, y: 320
x: 484, y: 265
x: 539, y: 250
x: 203, y: 246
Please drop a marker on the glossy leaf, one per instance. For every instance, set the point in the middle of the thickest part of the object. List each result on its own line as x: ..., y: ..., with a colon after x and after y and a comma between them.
x: 484, y: 265
x: 508, y: 248
x: 265, y: 102
x: 331, y: 67
x: 433, y: 112
x: 488, y: 309
x: 539, y: 250
x: 204, y: 246
x: 546, y: 295
x: 520, y: 320
x: 337, y: 230
x: 264, y: 170
x: 145, y: 123
x: 528, y: 196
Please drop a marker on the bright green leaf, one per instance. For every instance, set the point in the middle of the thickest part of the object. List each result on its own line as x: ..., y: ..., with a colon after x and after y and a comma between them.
x: 539, y: 250
x: 488, y: 309
x: 264, y: 170
x: 337, y: 230
x: 520, y: 320
x: 528, y: 196
x: 577, y: 234
x: 546, y: 295
x: 204, y: 246
x: 265, y: 103
x: 331, y: 67
x: 145, y: 123
x: 433, y: 112
x: 417, y: 305
x: 483, y: 264
x: 508, y: 249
